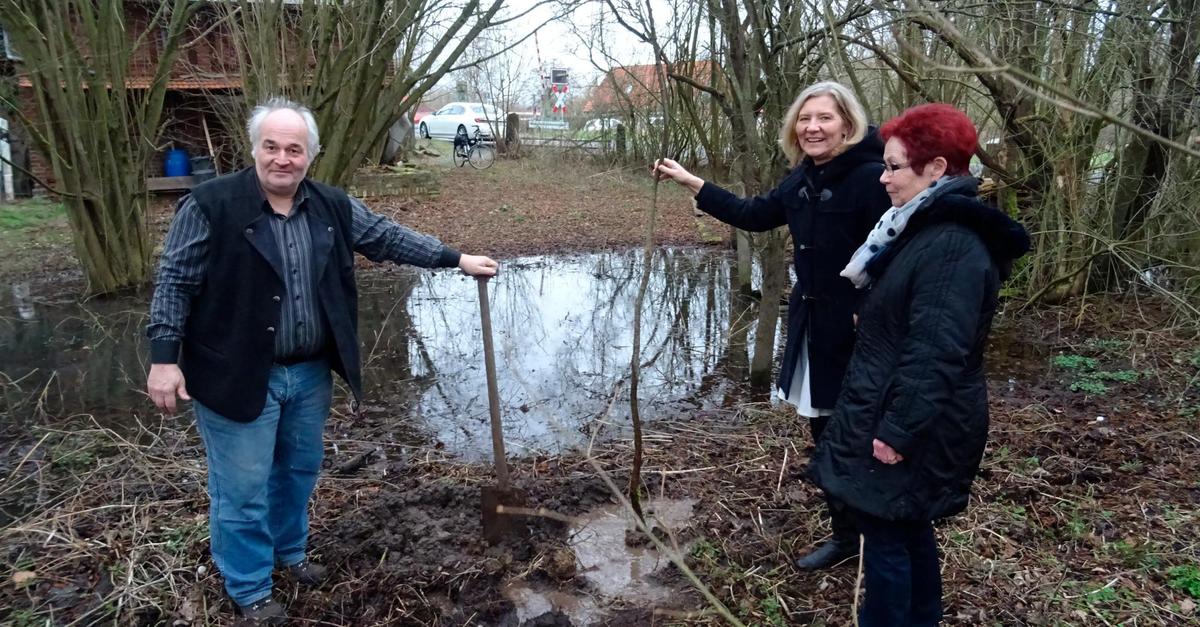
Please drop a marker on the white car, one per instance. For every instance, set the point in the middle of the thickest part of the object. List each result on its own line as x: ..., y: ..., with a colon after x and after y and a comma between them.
x: 597, y: 125
x: 468, y: 116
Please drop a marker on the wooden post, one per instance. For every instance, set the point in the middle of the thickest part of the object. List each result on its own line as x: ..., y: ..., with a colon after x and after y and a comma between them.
x: 208, y: 138
x: 512, y: 135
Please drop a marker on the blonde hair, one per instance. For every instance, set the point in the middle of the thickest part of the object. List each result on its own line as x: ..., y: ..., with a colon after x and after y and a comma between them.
x: 848, y: 107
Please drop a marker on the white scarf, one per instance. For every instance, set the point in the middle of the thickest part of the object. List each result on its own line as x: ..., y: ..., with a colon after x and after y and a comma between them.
x: 892, y: 225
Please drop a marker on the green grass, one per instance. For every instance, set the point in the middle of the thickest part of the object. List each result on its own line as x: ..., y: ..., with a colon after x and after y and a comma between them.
x: 1186, y: 579
x: 30, y: 214
x: 1075, y: 362
x: 35, y: 238
x: 1088, y: 378
x: 1108, y: 345
x: 1120, y: 376
x: 1089, y: 386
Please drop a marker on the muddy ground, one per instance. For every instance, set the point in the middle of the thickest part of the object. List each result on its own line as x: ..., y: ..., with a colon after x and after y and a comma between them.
x: 1085, y: 513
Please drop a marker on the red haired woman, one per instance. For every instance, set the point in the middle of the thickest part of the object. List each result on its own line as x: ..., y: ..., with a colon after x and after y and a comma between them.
x: 910, y: 425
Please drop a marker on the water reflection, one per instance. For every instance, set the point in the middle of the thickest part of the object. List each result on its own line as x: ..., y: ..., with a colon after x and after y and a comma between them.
x: 563, y: 333
x: 562, y: 329
x: 67, y: 359
x: 22, y: 301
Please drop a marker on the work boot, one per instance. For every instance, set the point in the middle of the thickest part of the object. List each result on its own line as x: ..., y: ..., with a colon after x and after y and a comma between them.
x: 308, y: 572
x: 834, y: 551
x: 262, y: 612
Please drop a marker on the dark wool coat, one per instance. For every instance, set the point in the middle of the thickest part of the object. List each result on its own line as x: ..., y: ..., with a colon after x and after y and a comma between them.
x: 829, y: 211
x: 916, y: 379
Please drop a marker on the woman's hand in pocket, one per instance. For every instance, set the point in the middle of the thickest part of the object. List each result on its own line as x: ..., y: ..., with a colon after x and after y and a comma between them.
x: 885, y: 453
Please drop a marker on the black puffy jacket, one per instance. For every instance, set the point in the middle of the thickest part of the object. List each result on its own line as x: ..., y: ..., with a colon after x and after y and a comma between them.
x: 916, y: 379
x: 829, y: 210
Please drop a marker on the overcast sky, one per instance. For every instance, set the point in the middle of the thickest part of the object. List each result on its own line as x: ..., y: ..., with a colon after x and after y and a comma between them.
x: 560, y: 43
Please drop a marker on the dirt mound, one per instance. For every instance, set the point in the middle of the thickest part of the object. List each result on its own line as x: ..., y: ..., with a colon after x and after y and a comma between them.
x: 414, y: 553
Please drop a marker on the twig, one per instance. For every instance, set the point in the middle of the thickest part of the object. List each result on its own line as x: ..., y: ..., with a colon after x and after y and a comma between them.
x: 782, y: 469
x: 862, y: 543
x: 671, y: 554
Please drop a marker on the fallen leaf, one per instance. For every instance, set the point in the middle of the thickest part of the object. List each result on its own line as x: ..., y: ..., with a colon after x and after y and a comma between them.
x: 187, y: 610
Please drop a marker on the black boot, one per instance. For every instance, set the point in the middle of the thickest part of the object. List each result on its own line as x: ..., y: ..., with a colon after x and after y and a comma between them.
x: 833, y: 552
x: 842, y: 546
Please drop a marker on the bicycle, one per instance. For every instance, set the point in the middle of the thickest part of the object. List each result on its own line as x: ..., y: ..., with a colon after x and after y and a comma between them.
x: 473, y: 150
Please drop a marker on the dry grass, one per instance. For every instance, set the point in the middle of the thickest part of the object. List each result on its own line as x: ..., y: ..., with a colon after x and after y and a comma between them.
x: 1073, y: 522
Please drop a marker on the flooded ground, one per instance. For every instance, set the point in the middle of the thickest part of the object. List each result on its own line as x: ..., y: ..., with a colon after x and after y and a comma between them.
x: 563, y: 334
x: 1085, y: 505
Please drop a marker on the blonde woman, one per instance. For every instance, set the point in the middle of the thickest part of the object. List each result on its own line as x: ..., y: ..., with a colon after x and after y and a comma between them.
x: 829, y: 201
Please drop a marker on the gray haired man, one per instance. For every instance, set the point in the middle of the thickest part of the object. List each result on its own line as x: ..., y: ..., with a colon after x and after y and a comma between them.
x: 254, y: 307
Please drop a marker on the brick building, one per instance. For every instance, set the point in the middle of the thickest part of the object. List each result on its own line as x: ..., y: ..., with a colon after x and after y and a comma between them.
x: 207, y: 67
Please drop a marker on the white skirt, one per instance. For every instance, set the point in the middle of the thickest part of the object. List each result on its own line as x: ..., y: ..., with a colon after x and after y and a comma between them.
x: 801, y: 388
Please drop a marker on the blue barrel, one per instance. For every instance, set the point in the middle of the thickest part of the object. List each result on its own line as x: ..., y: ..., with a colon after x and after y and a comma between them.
x: 176, y: 163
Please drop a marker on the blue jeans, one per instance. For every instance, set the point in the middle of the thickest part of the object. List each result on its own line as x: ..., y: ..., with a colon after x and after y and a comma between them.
x: 901, y: 574
x: 261, y: 475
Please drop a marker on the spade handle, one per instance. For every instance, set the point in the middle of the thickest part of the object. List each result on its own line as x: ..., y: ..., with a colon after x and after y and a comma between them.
x: 489, y: 358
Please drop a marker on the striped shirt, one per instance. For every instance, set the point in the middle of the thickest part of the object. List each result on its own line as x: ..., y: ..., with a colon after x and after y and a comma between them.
x: 184, y: 264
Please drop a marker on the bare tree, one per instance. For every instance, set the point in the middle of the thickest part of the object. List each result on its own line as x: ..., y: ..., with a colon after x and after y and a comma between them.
x: 98, y: 132
x: 1094, y: 101
x: 359, y: 64
x: 499, y: 75
x: 766, y: 52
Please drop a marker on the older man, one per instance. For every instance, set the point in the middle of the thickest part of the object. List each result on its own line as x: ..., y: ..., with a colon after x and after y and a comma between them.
x: 255, y: 305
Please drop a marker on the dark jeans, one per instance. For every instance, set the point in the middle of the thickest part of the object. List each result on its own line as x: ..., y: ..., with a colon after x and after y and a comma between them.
x: 900, y: 571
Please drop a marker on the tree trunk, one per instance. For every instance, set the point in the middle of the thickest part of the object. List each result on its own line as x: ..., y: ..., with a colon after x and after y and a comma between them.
x: 354, y: 63
x: 774, y: 271
x: 97, y: 132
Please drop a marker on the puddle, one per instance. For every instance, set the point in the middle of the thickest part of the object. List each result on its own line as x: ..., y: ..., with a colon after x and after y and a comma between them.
x: 531, y: 604
x: 612, y: 572
x: 562, y: 327
x: 615, y: 570
x: 563, y: 334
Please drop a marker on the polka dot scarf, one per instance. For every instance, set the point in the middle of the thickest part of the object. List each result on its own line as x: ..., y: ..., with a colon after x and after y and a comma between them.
x: 893, y: 223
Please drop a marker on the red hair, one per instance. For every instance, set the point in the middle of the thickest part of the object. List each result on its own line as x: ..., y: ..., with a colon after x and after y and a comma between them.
x: 934, y: 130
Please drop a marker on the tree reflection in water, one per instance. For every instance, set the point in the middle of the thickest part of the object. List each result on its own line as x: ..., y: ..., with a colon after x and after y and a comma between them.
x: 562, y: 327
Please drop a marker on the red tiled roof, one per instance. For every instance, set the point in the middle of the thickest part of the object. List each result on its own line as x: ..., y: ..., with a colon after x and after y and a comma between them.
x: 640, y: 84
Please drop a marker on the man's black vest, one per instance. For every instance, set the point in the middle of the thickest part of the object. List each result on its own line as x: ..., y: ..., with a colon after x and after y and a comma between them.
x: 229, y: 339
